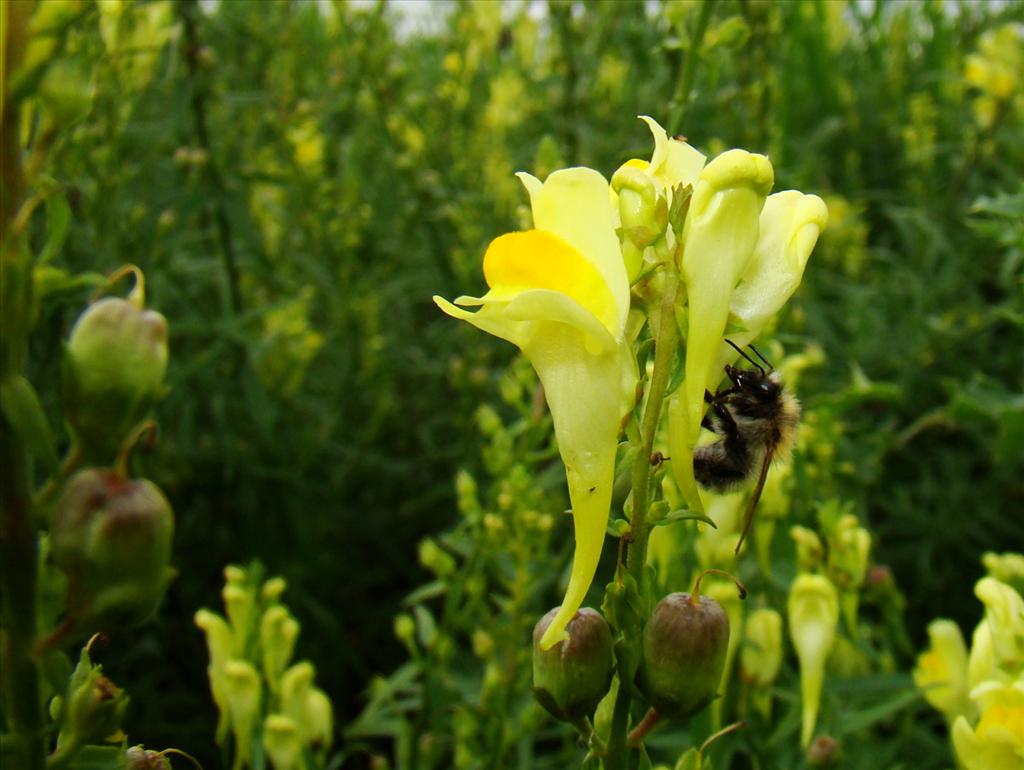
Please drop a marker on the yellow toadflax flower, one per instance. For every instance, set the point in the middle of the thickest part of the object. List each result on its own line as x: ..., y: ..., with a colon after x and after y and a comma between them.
x: 813, y: 615
x: 560, y: 293
x: 997, y: 741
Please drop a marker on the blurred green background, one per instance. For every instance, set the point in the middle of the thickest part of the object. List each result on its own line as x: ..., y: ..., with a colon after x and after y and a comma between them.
x: 297, y: 179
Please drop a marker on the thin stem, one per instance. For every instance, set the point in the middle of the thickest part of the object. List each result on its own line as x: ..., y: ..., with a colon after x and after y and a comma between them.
x: 187, y: 10
x: 666, y: 340
x: 586, y: 731
x: 19, y: 678
x: 684, y: 85
x: 651, y: 720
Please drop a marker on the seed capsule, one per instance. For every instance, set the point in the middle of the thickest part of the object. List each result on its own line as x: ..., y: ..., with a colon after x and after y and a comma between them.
x: 570, y: 678
x: 114, y: 369
x: 112, y: 538
x: 683, y: 654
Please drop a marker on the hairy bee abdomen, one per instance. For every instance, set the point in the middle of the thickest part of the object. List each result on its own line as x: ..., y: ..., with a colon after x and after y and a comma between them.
x: 718, y: 469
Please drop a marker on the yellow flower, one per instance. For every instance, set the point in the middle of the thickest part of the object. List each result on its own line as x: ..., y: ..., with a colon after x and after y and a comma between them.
x: 813, y: 614
x: 941, y: 670
x: 561, y: 294
x: 997, y: 741
x: 1004, y: 615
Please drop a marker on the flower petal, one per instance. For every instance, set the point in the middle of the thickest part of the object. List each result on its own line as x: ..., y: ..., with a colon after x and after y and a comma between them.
x: 674, y: 162
x: 575, y: 205
x: 583, y: 393
x: 718, y: 242
x: 531, y: 314
x: 537, y: 259
x: 790, y: 223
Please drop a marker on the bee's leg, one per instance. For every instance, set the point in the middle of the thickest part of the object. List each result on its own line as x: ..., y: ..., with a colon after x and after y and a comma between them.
x: 725, y: 420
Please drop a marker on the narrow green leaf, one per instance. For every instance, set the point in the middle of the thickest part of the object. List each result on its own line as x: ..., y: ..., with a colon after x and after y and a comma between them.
x: 21, y: 407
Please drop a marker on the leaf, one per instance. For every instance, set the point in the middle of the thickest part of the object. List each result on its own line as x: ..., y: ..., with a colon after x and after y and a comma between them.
x: 58, y: 216
x: 21, y: 407
x: 425, y: 592
x: 684, y: 514
x: 98, y: 758
x: 426, y: 626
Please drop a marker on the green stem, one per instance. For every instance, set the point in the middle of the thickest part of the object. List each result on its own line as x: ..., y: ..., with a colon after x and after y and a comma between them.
x: 19, y: 678
x: 666, y: 340
x: 188, y: 10
x: 684, y: 85
x: 18, y: 563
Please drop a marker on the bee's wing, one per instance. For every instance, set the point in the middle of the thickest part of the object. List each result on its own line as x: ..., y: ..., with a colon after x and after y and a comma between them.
x: 748, y: 519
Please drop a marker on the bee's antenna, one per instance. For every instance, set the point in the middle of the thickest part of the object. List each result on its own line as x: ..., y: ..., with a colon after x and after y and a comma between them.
x: 758, y: 353
x: 756, y: 365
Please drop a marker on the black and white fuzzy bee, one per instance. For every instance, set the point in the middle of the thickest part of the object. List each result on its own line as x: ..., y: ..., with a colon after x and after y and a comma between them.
x: 755, y: 419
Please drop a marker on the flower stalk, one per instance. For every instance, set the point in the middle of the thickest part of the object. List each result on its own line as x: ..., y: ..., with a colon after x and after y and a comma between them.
x: 666, y: 340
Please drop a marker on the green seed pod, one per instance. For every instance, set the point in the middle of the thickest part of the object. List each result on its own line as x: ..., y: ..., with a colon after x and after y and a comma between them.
x: 570, y: 678
x: 113, y: 373
x: 683, y: 654
x: 112, y: 538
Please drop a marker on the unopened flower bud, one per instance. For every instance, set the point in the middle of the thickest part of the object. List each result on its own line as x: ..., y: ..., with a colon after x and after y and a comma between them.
x: 282, y: 742
x: 571, y: 677
x: 685, y: 643
x: 435, y: 558
x: 643, y: 215
x: 278, y: 632
x: 761, y: 654
x: 112, y: 538
x: 114, y: 372
x: 810, y: 552
x: 823, y: 751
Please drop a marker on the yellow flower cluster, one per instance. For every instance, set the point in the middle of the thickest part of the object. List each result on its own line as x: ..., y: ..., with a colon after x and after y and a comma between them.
x: 561, y: 293
x: 980, y: 691
x: 250, y: 652
x: 995, y: 70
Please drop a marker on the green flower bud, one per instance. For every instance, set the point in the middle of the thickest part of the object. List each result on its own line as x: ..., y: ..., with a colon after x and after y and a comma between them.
x: 112, y: 538
x: 113, y: 373
x: 571, y: 677
x: 282, y: 742
x: 278, y: 632
x: 94, y: 705
x: 138, y: 758
x: 683, y: 654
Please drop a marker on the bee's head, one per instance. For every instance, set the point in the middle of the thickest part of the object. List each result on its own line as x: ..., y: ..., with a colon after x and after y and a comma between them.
x: 763, y: 386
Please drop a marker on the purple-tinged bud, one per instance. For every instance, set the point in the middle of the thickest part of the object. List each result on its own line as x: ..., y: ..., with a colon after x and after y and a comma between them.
x: 571, y: 677
x: 823, y: 751
x: 138, y: 758
x: 683, y: 654
x: 112, y: 538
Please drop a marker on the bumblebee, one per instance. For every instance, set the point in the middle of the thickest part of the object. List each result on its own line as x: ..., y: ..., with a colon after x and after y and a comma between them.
x: 755, y: 419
